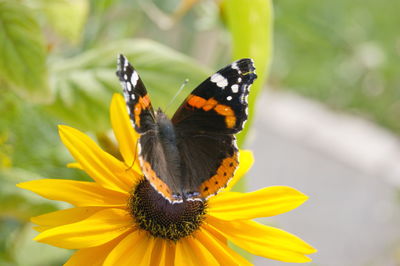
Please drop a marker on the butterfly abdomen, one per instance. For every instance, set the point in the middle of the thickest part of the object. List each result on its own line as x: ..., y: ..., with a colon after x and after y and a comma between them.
x: 167, y: 140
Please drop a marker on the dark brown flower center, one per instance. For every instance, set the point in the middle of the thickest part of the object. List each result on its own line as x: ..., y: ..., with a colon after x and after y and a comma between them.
x: 161, y: 218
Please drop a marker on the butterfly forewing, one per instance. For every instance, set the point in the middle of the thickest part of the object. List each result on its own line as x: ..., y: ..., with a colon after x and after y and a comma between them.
x: 137, y: 100
x: 219, y: 104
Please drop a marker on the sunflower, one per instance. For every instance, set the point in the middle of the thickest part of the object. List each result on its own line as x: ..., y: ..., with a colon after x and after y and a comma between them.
x: 119, y: 219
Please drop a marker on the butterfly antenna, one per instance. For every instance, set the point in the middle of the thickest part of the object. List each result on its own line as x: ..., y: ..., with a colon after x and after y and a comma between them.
x: 177, y: 93
x: 134, y: 160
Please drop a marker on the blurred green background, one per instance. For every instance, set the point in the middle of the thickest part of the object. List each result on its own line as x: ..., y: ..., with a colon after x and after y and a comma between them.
x: 57, y: 65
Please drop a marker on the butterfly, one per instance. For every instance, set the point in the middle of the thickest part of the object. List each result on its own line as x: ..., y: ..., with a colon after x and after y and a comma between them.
x: 193, y: 155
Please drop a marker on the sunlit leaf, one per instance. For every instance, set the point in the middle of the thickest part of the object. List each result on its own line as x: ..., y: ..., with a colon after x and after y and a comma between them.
x: 250, y: 23
x: 84, y: 84
x: 22, y: 51
x: 30, y: 252
x: 66, y: 17
x: 16, y: 209
x: 17, y: 203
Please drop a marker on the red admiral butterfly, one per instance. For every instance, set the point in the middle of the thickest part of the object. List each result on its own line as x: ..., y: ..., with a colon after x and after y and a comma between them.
x: 193, y: 155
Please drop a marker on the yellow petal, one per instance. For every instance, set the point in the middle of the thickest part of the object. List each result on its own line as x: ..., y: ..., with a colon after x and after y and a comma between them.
x: 93, y: 256
x: 135, y: 249
x: 223, y: 254
x: 163, y: 253
x: 106, y: 170
x: 75, y: 165
x: 265, y: 202
x: 123, y: 130
x: 265, y: 241
x: 63, y: 217
x: 246, y: 161
x: 77, y: 193
x: 190, y: 252
x: 41, y: 228
x: 215, y: 234
x: 96, y: 230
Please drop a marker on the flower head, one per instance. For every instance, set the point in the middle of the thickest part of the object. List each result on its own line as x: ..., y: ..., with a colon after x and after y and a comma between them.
x: 119, y: 219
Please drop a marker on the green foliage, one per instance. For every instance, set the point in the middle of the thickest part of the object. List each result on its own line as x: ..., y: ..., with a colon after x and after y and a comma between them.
x: 66, y: 17
x: 22, y: 51
x: 84, y: 84
x: 18, y: 203
x: 251, y: 29
x: 17, y: 206
x: 343, y: 53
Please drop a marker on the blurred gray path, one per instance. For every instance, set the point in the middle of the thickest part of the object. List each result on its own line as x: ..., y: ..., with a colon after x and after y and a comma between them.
x: 348, y: 167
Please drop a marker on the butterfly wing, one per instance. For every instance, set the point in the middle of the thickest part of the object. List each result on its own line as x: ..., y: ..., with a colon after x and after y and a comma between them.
x: 137, y: 100
x: 151, y: 153
x: 205, y: 124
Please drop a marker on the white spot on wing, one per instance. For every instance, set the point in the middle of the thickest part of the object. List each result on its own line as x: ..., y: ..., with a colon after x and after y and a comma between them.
x: 133, y: 96
x: 134, y: 78
x: 229, y: 98
x: 235, y: 66
x: 125, y: 63
x: 235, y: 88
x: 128, y: 86
x: 221, y: 81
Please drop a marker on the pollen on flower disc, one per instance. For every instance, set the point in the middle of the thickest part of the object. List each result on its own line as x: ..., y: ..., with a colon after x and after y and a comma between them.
x: 162, y: 219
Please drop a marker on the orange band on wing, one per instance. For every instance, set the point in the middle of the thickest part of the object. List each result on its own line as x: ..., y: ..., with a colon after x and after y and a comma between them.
x: 230, y: 121
x: 210, y: 104
x: 224, y: 110
x: 221, y: 109
x: 199, y: 102
x: 196, y: 101
x: 224, y: 173
x: 155, y: 181
x: 230, y: 118
x: 143, y: 103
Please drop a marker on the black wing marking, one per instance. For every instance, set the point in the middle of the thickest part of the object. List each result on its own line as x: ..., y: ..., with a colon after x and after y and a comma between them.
x: 207, y: 163
x: 205, y: 124
x: 137, y: 100
x: 219, y: 104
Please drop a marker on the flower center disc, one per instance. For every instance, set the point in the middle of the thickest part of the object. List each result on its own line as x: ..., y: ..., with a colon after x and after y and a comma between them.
x: 162, y: 219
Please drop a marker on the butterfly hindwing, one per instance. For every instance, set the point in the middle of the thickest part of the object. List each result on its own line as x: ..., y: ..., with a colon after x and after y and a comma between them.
x: 208, y: 162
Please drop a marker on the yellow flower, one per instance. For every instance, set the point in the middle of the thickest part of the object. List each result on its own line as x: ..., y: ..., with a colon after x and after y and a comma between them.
x: 117, y: 220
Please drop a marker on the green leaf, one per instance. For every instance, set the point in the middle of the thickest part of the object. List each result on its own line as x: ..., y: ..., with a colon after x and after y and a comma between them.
x: 28, y: 252
x: 84, y: 84
x: 22, y: 52
x: 66, y: 17
x: 250, y: 23
x: 18, y: 203
x: 17, y: 207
